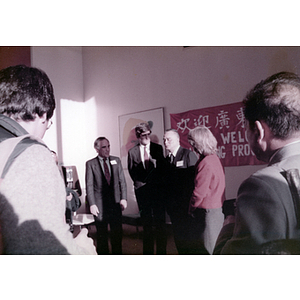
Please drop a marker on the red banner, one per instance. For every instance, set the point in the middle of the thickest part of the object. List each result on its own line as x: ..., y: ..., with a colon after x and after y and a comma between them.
x: 227, y: 124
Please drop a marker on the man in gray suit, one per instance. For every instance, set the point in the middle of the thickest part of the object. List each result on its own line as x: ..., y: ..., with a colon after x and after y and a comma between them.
x: 107, y: 196
x: 267, y: 202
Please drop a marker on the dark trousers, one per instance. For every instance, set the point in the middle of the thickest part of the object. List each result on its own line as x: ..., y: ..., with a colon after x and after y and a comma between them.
x: 187, y: 231
x: 206, y: 226
x: 177, y: 209
x: 180, y: 226
x: 113, y: 218
x: 153, y: 217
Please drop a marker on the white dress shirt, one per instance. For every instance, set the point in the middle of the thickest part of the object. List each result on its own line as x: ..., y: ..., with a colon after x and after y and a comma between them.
x: 174, y: 152
x: 142, y: 147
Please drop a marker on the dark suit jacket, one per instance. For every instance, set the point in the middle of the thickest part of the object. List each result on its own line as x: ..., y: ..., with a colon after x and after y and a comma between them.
x: 179, y: 179
x: 96, y: 184
x: 185, y: 158
x: 139, y: 175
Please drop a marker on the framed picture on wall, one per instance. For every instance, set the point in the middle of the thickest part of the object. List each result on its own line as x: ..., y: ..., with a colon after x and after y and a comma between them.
x: 127, y: 123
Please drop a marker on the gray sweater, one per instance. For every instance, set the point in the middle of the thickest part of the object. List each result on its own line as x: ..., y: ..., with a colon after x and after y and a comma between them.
x: 32, y: 203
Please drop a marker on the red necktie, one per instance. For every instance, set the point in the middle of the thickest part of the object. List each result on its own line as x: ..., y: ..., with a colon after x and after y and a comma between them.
x: 146, y: 158
x: 106, y: 171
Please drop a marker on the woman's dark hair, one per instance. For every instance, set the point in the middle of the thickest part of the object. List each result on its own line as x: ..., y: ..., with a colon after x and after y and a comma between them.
x: 25, y: 92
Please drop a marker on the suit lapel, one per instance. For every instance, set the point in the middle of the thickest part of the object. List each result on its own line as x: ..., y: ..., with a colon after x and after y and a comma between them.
x: 113, y: 168
x: 98, y: 170
x: 151, y: 149
x: 178, y: 156
x: 97, y: 166
x: 137, y: 153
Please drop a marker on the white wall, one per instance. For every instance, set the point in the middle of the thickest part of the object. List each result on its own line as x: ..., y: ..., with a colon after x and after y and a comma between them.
x: 130, y: 79
x: 63, y: 65
x: 113, y: 81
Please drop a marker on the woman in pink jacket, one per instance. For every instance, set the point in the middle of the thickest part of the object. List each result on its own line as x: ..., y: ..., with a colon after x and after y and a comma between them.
x: 209, y: 191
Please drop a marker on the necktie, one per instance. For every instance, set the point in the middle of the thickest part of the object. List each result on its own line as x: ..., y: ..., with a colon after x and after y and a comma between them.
x: 171, y: 158
x: 146, y: 158
x: 106, y: 171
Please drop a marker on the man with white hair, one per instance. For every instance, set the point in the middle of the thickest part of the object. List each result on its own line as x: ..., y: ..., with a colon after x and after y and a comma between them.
x: 179, y: 183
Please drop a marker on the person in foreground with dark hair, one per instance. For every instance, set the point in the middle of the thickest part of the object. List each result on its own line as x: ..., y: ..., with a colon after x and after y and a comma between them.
x: 32, y: 191
x: 267, y: 206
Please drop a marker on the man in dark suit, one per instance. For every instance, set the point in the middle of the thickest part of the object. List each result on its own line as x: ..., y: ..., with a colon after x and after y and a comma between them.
x: 107, y: 196
x: 145, y: 165
x: 178, y: 187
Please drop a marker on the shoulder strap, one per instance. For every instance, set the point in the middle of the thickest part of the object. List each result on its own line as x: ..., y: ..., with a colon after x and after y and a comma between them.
x: 11, y: 148
x: 293, y: 178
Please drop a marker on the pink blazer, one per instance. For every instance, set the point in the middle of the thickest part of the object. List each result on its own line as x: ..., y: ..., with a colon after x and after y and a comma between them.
x: 209, y: 191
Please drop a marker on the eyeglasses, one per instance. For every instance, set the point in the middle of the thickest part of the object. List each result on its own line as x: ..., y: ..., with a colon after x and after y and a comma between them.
x: 50, y: 122
x: 145, y: 135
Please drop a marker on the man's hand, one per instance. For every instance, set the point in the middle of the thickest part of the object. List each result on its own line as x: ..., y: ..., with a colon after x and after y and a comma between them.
x: 85, y: 242
x: 94, y: 210
x: 69, y: 197
x: 123, y: 204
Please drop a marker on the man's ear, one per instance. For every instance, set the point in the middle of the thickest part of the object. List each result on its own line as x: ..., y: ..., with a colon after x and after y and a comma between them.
x: 263, y: 134
x: 259, y: 130
x: 43, y: 118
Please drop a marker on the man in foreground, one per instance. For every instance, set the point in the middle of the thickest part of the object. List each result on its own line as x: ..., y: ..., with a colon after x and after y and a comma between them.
x: 267, y: 202
x: 32, y: 191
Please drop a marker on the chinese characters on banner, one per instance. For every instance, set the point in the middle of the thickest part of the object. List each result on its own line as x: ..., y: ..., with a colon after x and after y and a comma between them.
x: 226, y: 122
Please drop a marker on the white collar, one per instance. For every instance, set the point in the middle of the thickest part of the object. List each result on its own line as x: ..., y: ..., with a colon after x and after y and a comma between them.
x: 143, y: 146
x: 175, y: 151
x: 102, y: 159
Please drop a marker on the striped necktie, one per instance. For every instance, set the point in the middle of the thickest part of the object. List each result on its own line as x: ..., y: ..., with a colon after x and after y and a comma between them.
x: 106, y: 171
